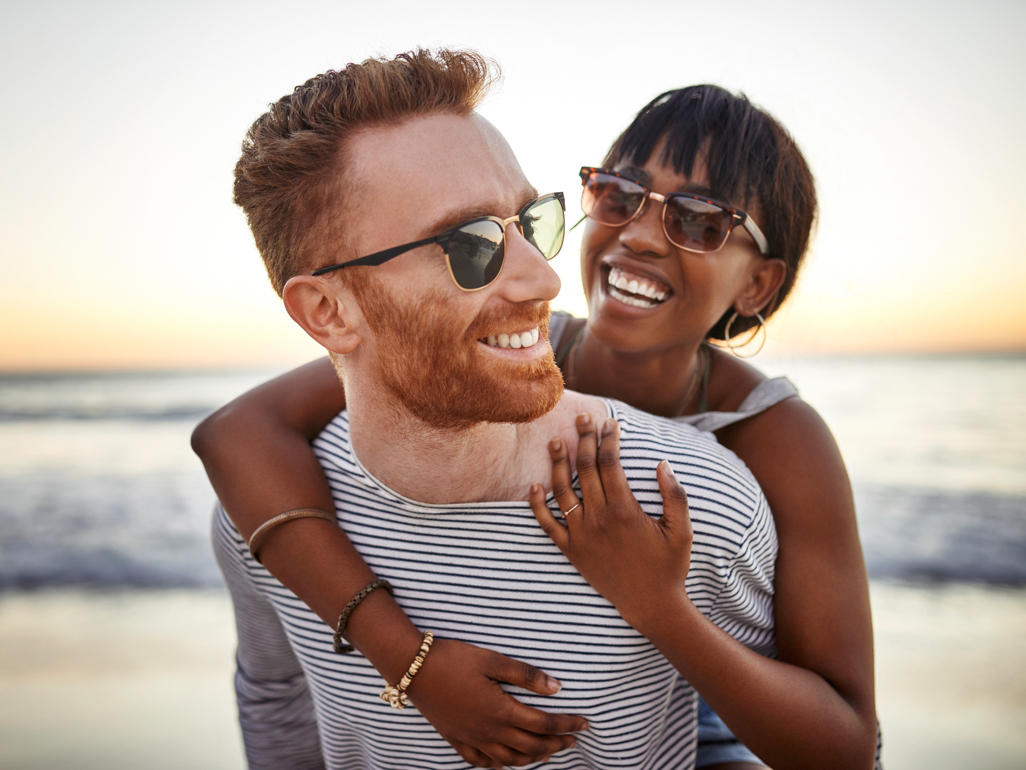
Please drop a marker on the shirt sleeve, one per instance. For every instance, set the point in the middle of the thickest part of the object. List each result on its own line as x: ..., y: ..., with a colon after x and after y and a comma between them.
x: 276, y: 712
x: 744, y: 606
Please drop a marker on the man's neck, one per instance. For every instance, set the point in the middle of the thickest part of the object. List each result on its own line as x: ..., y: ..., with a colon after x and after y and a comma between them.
x: 487, y: 462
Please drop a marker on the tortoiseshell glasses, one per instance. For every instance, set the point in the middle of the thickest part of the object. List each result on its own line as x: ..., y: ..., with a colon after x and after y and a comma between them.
x: 692, y: 222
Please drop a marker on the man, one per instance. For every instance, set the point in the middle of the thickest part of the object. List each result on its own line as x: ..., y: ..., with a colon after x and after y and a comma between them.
x: 405, y: 239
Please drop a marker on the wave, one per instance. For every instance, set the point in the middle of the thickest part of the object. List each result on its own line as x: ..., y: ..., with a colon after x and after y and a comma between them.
x: 151, y: 530
x: 931, y: 535
x: 185, y: 412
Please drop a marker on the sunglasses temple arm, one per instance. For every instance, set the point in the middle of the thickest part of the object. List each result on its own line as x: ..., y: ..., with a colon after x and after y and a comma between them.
x: 757, y: 236
x: 577, y: 223
x: 380, y: 257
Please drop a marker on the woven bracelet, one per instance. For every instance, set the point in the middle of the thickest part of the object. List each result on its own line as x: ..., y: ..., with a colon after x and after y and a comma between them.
x: 396, y: 696
x: 258, y: 536
x: 341, y: 648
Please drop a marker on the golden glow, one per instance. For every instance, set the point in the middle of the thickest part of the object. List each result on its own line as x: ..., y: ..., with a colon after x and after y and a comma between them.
x: 122, y: 248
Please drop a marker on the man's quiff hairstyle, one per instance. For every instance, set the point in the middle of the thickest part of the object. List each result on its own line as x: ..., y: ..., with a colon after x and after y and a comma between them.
x: 291, y: 177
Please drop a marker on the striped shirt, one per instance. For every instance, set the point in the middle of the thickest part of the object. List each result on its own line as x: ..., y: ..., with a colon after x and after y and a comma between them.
x: 486, y: 574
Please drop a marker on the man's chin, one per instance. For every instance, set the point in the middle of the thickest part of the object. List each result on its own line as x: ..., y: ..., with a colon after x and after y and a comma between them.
x: 507, y: 399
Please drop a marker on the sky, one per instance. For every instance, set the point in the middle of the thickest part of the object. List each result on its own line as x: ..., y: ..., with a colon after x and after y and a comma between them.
x: 122, y: 123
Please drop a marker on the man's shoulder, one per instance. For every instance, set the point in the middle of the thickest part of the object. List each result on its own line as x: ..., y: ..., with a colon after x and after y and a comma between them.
x: 697, y: 458
x: 333, y: 445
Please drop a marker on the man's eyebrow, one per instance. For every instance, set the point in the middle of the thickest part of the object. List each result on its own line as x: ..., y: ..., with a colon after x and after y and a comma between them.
x: 463, y: 214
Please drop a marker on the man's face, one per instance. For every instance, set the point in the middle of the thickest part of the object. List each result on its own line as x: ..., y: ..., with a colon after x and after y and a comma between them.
x: 431, y: 348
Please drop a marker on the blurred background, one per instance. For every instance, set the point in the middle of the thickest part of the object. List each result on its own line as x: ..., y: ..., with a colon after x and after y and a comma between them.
x: 133, y: 302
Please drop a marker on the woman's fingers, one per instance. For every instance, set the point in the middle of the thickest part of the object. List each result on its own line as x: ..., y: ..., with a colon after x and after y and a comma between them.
x: 520, y: 747
x: 475, y: 758
x: 546, y: 520
x: 676, y: 518
x: 614, y: 480
x: 562, y: 477
x: 587, y: 467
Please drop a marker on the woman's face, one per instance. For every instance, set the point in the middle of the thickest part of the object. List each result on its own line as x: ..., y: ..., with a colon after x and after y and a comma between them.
x: 646, y: 294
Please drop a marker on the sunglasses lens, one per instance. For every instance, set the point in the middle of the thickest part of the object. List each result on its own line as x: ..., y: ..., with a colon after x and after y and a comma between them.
x: 544, y: 225
x: 611, y: 200
x: 696, y: 225
x: 475, y: 253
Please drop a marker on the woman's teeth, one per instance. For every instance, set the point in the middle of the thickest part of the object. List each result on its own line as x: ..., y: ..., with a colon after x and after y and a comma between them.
x: 635, y: 290
x: 515, y: 340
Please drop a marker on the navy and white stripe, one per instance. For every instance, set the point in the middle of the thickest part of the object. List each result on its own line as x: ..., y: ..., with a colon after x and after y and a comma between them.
x: 485, y: 573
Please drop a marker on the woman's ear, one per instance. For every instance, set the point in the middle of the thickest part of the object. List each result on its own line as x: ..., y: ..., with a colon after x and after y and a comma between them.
x: 765, y: 279
x: 325, y: 310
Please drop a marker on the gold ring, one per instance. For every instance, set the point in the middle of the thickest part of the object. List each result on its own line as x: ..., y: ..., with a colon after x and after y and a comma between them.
x: 571, y: 510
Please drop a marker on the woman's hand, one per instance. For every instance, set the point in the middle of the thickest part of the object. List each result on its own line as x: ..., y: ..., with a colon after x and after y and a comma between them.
x: 628, y: 557
x: 457, y: 691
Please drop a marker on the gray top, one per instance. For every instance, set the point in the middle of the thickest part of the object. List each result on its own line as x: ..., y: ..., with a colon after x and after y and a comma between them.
x: 764, y: 395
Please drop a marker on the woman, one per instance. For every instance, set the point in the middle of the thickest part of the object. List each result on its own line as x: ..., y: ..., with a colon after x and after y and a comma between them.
x: 666, y: 266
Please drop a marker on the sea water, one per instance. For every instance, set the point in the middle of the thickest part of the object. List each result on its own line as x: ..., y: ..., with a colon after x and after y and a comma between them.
x: 98, y: 485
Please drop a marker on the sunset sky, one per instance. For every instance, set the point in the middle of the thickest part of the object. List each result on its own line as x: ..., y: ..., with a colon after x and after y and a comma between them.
x: 122, y: 123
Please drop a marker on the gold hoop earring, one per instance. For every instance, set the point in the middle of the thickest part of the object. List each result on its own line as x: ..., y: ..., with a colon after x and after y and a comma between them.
x: 734, y: 348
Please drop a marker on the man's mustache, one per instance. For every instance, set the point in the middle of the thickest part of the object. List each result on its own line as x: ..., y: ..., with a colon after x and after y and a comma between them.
x: 511, y: 317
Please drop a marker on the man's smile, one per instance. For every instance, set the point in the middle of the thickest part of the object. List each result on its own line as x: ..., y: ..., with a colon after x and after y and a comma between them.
x: 515, y: 340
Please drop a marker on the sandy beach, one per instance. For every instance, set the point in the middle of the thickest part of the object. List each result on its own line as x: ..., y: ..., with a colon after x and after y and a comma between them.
x: 142, y: 679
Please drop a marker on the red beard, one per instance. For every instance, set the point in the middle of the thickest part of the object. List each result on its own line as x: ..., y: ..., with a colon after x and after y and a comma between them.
x: 435, y: 367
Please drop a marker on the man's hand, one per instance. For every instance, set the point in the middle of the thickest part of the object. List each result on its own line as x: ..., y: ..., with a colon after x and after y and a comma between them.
x: 628, y: 557
x: 457, y: 691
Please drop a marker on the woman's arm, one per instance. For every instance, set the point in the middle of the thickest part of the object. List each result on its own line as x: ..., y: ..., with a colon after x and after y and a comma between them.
x: 812, y: 708
x: 257, y: 454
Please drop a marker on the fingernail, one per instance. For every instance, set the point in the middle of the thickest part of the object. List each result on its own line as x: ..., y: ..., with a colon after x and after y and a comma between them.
x: 584, y: 419
x: 553, y: 684
x: 608, y: 425
x: 557, y: 445
x: 666, y: 465
x: 534, y: 489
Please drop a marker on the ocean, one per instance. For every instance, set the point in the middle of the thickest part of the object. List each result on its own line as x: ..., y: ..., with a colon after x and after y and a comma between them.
x: 99, y: 487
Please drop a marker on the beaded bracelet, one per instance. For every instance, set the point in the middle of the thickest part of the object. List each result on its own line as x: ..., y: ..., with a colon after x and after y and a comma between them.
x: 341, y: 648
x: 396, y: 696
x: 258, y: 536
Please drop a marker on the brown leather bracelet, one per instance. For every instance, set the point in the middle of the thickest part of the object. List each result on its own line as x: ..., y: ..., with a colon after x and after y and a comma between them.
x: 341, y: 648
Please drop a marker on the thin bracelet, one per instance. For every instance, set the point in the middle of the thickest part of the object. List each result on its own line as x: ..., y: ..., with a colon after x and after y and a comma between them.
x: 396, y: 696
x: 258, y: 536
x: 340, y: 648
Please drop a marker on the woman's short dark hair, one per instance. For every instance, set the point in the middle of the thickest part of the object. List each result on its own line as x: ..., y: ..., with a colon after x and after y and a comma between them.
x: 749, y: 157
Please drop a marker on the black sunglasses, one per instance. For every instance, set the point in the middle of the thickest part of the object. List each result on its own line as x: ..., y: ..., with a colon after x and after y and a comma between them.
x: 475, y: 250
x: 692, y: 222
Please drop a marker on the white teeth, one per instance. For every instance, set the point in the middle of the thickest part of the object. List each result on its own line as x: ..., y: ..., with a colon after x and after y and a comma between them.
x: 515, y: 340
x: 635, y: 286
x: 629, y: 300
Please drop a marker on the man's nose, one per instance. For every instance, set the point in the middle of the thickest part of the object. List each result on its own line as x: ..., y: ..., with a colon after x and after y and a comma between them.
x: 526, y: 274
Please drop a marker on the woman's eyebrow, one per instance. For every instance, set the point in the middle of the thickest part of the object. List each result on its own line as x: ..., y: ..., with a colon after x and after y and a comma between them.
x: 641, y: 176
x: 636, y: 174
x: 699, y: 189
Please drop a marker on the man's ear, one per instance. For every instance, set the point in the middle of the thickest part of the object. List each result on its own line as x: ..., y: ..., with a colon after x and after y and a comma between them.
x: 327, y: 312
x: 764, y: 282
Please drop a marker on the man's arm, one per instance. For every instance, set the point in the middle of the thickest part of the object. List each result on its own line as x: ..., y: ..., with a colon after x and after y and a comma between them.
x: 276, y: 713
